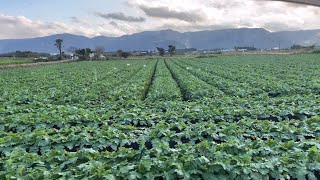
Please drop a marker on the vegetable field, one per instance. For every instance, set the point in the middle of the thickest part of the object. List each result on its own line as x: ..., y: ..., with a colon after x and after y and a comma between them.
x: 7, y: 61
x: 224, y: 117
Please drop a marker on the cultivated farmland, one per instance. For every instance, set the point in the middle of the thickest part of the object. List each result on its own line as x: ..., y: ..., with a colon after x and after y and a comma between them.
x: 224, y: 117
x: 7, y: 61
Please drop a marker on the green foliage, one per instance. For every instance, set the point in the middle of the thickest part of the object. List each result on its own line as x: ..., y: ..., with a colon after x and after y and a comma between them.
x: 123, y: 54
x: 58, y: 44
x: 172, y: 49
x: 164, y: 86
x: 24, y: 54
x: 316, y: 52
x: 228, y: 117
x: 161, y: 51
x: 297, y: 47
x: 8, y: 61
x: 84, y: 54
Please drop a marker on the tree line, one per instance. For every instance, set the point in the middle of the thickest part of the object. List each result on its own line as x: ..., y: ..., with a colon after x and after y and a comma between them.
x: 98, y: 52
x: 171, y: 50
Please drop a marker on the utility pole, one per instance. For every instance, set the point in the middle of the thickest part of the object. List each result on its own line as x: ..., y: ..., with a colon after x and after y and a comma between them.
x: 279, y: 47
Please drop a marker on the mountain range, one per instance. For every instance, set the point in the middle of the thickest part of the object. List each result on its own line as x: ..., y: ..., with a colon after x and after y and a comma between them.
x: 149, y: 40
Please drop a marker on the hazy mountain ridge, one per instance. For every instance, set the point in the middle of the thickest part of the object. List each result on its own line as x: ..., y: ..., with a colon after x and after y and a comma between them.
x: 148, y: 40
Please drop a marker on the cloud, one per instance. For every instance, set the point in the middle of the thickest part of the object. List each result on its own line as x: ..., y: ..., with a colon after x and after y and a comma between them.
x: 75, y: 19
x: 78, y: 20
x: 223, y: 4
x: 180, y: 15
x: 114, y: 24
x: 120, y: 16
x: 276, y: 26
x: 21, y: 27
x: 166, y: 12
x: 14, y: 27
x: 213, y: 14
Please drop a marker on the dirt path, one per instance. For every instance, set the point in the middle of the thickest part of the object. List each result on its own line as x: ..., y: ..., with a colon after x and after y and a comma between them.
x: 13, y: 66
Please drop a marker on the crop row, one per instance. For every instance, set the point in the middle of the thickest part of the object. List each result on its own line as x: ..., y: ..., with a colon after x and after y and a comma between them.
x: 281, y: 80
x: 225, y: 118
x: 73, y: 84
x: 29, y: 117
x: 245, y: 149
x: 191, y: 86
x: 164, y: 87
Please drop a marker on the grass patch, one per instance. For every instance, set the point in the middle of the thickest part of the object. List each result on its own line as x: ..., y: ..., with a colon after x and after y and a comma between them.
x: 9, y: 61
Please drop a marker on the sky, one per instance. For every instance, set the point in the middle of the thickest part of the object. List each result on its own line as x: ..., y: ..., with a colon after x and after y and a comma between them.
x: 36, y: 18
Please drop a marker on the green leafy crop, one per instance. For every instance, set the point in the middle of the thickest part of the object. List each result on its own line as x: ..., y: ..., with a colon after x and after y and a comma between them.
x: 226, y: 117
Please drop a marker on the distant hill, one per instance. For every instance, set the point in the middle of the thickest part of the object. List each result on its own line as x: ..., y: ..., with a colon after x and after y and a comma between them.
x: 217, y: 39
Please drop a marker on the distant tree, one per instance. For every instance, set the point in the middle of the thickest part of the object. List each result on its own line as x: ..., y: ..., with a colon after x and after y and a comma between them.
x: 312, y: 46
x: 125, y: 54
x: 121, y: 53
x: 172, y: 50
x: 59, y: 46
x: 84, y: 54
x: 24, y: 54
x: 99, y: 50
x: 80, y: 53
x: 161, y: 51
x: 186, y: 50
x: 296, y: 46
x: 88, y: 51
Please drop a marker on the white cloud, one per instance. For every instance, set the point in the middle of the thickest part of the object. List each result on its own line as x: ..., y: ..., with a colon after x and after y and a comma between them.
x: 271, y: 15
x: 13, y: 27
x: 22, y: 27
x: 120, y: 16
x: 181, y: 15
x: 19, y: 26
x: 167, y: 13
